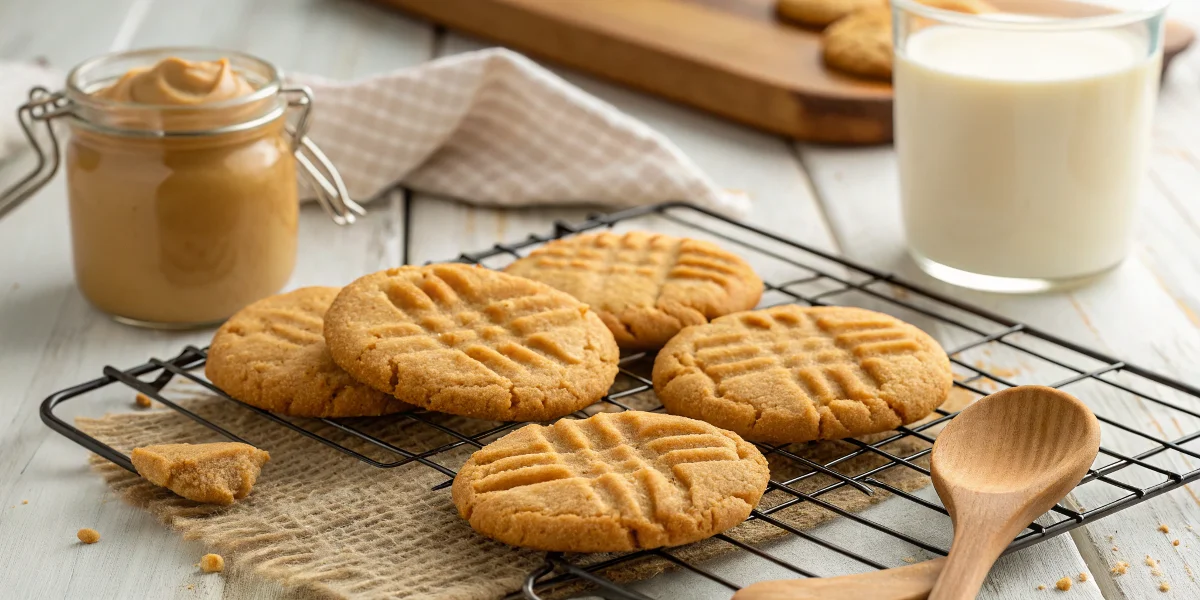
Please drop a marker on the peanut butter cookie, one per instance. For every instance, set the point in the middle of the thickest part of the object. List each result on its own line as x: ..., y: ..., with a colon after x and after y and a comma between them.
x: 471, y: 341
x: 819, y: 13
x: 797, y: 374
x: 613, y: 482
x: 272, y: 355
x: 645, y: 286
x: 860, y: 44
x: 216, y: 473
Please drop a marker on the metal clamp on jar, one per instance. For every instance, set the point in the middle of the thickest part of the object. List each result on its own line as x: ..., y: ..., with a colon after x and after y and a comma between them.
x: 181, y: 180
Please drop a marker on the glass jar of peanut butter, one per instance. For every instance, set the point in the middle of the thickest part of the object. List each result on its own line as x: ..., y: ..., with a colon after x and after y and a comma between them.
x: 181, y: 180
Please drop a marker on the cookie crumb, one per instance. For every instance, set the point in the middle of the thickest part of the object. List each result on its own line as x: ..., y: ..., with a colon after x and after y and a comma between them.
x: 1114, y: 548
x: 1063, y: 584
x: 1120, y: 568
x: 212, y: 563
x: 1175, y: 543
x: 1041, y: 587
x: 88, y: 535
x: 1164, y: 586
x: 1153, y: 564
x: 191, y: 587
x: 1163, y: 528
x: 1082, y: 577
x: 27, y: 502
x: 908, y: 559
x: 143, y: 400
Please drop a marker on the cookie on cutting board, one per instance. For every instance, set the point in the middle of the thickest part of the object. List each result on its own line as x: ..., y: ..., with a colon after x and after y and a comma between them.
x: 860, y: 44
x: 272, y: 355
x: 797, y: 374
x: 613, y: 482
x: 819, y: 13
x: 645, y: 286
x: 471, y: 341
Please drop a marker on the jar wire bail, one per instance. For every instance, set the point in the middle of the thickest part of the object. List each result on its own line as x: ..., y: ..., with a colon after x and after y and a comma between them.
x: 43, y: 106
x: 318, y: 171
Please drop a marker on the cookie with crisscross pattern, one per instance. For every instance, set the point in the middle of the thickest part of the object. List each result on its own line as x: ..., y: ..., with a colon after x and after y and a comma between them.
x: 796, y: 374
x: 645, y: 286
x: 471, y: 341
x: 272, y: 355
x: 612, y: 482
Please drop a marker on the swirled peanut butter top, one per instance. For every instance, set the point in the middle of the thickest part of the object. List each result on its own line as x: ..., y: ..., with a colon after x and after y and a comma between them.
x: 174, y: 81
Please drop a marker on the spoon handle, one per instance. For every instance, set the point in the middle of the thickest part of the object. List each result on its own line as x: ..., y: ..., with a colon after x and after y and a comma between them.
x: 903, y: 583
x: 968, y: 564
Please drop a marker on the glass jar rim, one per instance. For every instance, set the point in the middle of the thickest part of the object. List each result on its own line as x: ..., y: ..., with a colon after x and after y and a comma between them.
x: 77, y: 83
x: 1116, y: 18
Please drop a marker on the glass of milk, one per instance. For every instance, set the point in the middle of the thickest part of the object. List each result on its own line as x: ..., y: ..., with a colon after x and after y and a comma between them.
x: 1022, y: 138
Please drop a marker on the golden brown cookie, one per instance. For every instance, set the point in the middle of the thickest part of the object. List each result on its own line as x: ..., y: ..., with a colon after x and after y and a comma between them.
x: 645, y: 286
x: 797, y: 374
x: 861, y: 42
x: 471, y: 341
x: 613, y: 482
x: 216, y: 473
x: 272, y: 355
x: 819, y: 13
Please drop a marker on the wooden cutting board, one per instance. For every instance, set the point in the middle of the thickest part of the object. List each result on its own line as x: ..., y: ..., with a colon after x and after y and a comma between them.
x: 733, y: 58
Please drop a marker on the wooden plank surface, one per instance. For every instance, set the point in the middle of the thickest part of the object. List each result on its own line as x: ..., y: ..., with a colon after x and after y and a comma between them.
x: 51, y: 338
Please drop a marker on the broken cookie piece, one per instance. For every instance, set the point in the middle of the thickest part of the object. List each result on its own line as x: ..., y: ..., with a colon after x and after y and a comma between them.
x: 216, y: 473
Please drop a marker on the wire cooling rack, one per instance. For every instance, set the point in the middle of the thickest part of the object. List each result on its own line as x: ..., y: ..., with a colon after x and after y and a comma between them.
x: 988, y: 352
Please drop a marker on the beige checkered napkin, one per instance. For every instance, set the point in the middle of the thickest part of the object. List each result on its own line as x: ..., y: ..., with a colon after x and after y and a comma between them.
x: 492, y: 127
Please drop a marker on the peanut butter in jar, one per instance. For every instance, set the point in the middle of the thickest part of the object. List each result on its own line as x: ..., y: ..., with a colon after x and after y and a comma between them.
x: 181, y: 230
x: 181, y: 179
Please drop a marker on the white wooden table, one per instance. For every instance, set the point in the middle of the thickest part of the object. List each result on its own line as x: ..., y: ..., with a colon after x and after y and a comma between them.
x: 842, y: 200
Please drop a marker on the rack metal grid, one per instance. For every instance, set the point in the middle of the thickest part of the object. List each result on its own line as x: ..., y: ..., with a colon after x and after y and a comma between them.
x: 793, y: 273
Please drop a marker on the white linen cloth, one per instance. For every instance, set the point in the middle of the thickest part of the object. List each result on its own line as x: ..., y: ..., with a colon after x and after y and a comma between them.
x: 489, y: 127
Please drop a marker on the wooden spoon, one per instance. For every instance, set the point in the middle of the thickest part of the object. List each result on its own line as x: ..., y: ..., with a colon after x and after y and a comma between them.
x: 997, y: 466
x: 1000, y: 464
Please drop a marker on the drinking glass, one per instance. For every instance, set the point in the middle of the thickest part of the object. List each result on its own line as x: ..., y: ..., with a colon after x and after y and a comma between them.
x: 1022, y: 137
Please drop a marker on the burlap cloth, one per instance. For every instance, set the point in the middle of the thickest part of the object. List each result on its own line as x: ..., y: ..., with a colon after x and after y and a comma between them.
x: 323, y: 524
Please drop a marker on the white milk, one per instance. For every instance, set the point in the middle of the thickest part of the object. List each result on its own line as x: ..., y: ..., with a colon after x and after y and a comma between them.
x: 1022, y: 152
